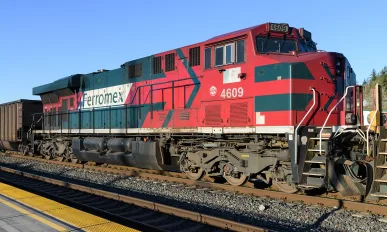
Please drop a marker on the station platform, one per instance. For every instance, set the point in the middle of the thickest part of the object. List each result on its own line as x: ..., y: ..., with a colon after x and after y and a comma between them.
x: 24, y: 211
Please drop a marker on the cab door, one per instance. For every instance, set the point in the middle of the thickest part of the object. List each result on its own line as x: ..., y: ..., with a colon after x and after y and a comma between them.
x: 352, y: 112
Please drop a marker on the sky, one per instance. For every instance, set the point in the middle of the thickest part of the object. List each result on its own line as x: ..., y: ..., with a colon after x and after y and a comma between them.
x: 42, y: 41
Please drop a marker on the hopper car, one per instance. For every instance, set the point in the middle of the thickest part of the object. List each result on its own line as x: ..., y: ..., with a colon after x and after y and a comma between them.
x: 257, y: 104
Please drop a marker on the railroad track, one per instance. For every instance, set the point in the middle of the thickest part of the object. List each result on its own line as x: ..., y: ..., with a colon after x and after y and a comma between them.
x: 133, y: 212
x: 328, y: 200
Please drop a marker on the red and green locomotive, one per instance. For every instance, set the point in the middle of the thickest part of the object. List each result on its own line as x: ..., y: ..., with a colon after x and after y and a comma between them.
x: 258, y: 104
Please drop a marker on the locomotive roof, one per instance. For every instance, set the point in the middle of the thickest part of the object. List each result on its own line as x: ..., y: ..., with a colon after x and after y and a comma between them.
x: 74, y: 80
x: 21, y: 101
x: 242, y: 31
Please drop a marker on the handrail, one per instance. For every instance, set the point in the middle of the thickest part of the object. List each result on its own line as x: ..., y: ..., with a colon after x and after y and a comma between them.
x: 373, y: 118
x: 129, y: 105
x: 159, y: 83
x: 302, y: 120
x: 330, y: 112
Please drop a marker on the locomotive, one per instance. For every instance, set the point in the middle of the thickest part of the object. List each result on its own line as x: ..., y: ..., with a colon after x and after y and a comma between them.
x: 257, y: 104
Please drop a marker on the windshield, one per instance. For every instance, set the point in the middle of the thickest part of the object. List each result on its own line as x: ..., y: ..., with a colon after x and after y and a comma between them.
x: 265, y: 44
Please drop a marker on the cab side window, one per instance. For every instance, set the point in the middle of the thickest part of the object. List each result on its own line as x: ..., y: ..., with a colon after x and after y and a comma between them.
x: 231, y: 53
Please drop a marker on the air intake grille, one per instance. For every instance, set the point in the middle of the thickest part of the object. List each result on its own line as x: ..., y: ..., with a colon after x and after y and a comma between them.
x: 170, y: 62
x: 184, y: 115
x: 238, y: 114
x: 162, y: 117
x: 213, y: 115
x: 194, y: 56
x: 157, y: 65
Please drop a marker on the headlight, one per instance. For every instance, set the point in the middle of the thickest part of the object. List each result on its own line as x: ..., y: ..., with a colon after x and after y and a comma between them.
x: 338, y: 67
x: 350, y: 118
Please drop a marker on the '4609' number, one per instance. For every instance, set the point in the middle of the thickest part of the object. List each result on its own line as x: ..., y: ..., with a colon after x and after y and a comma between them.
x: 232, y: 92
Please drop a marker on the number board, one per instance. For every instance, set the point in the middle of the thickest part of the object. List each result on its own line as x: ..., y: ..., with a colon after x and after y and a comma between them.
x: 278, y: 27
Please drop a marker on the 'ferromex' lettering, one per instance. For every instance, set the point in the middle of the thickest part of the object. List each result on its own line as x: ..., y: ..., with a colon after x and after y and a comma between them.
x: 103, y: 99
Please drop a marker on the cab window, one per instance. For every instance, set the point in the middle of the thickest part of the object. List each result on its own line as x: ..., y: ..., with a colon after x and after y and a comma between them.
x: 275, y: 44
x: 230, y: 53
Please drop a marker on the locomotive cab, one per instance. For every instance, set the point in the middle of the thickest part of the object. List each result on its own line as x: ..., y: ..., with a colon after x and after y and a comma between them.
x: 280, y: 38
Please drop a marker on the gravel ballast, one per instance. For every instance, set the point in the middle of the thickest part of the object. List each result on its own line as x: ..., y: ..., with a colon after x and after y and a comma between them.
x: 264, y: 212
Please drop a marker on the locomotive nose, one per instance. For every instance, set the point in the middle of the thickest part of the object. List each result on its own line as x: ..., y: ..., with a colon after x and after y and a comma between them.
x: 344, y: 80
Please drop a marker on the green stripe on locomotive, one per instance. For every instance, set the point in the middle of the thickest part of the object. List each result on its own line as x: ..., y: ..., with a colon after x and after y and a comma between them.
x: 282, y: 71
x: 100, y: 118
x: 282, y: 102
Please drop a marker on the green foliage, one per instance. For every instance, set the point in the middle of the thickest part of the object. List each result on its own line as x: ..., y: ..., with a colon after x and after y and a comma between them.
x: 369, y: 85
x: 373, y: 75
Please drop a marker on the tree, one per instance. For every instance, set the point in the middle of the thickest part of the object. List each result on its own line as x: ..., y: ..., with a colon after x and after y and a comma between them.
x: 373, y: 75
x: 369, y: 86
x: 384, y: 71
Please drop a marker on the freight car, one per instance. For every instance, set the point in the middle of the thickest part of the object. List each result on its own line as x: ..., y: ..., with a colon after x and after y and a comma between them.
x: 15, y: 121
x: 259, y: 104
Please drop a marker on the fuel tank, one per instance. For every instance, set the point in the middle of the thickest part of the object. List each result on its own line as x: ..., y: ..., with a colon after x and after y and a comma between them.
x: 125, y: 152
x: 94, y: 144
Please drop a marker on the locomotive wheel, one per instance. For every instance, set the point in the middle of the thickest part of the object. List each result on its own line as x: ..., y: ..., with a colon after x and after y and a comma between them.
x: 25, y: 151
x: 236, y: 181
x: 284, y: 187
x: 70, y: 157
x: 195, y: 175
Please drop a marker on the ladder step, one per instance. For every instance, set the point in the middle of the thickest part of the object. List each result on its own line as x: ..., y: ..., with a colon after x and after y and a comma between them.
x: 381, y: 180
x: 315, y: 181
x: 383, y: 140
x: 379, y: 194
x: 325, y: 128
x: 308, y: 186
x: 318, y: 138
x: 383, y: 153
x: 315, y: 172
x: 384, y: 166
x: 316, y: 150
x: 317, y: 160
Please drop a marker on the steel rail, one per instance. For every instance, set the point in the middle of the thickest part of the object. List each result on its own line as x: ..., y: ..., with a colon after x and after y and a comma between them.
x: 179, y: 178
x: 157, y: 207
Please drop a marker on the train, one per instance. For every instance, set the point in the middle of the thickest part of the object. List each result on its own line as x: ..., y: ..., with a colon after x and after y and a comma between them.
x: 258, y: 104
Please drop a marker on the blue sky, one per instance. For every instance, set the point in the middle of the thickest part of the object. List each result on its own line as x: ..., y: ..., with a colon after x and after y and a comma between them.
x: 41, y: 41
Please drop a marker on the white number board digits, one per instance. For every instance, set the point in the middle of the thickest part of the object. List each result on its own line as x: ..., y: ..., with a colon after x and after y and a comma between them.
x: 276, y: 27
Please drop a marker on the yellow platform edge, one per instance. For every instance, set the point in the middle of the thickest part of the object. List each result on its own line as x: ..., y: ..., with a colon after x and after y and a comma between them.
x: 64, y: 213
